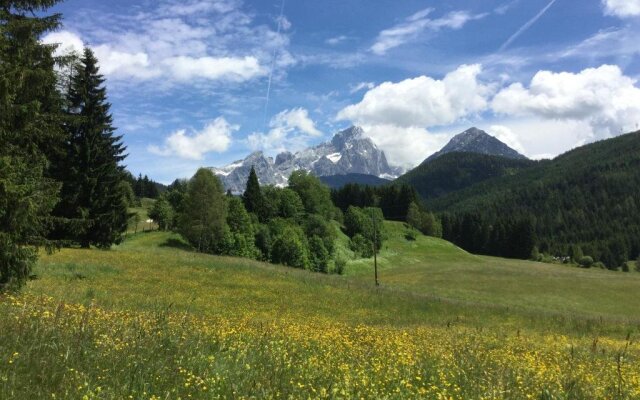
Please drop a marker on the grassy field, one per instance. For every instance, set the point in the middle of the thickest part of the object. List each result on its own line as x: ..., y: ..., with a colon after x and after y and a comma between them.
x: 140, y: 224
x: 150, y: 319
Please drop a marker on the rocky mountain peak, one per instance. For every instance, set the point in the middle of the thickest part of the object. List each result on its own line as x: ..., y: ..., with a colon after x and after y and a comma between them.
x: 284, y: 157
x: 475, y: 140
x: 348, y: 152
x: 350, y: 135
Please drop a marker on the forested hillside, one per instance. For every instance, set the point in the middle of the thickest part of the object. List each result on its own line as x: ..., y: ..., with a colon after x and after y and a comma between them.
x: 455, y: 171
x: 583, y: 203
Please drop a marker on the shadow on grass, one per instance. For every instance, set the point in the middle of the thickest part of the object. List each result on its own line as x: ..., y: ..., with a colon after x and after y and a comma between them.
x: 177, y: 244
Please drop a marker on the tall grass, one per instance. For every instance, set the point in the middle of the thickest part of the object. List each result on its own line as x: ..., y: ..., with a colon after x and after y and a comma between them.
x: 153, y: 320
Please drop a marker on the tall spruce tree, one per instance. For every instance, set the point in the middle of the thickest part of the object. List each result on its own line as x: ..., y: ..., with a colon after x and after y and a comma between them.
x: 93, y: 203
x: 252, y: 198
x: 29, y: 133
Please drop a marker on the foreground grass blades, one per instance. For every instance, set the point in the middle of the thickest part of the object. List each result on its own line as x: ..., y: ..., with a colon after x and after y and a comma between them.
x: 56, y: 350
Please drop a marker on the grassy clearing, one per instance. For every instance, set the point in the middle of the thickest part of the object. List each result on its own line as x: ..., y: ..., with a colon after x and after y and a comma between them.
x: 140, y: 224
x: 150, y: 319
x: 438, y: 268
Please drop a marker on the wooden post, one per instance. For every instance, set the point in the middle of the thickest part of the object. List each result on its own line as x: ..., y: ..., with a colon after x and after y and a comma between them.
x: 375, y: 240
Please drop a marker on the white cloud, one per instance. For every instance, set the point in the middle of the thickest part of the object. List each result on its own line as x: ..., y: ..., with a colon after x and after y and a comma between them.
x: 116, y: 63
x: 422, y: 101
x: 185, y: 42
x: 622, y: 8
x: 215, y: 137
x: 604, y: 98
x: 285, y: 24
x: 336, y: 40
x: 617, y: 42
x: 411, y: 28
x: 542, y: 138
x: 121, y: 64
x: 233, y: 69
x: 507, y: 136
x: 290, y: 130
x: 67, y: 42
x: 193, y: 7
x: 405, y: 146
x: 361, y: 86
x: 397, y: 115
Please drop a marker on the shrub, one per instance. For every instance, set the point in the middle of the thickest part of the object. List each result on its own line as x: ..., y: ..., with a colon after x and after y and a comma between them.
x: 162, y: 214
x: 360, y: 221
x: 316, y: 225
x: 586, y: 262
x: 289, y: 248
x: 319, y: 255
x: 600, y: 265
x: 340, y: 265
x: 411, y: 235
x: 263, y: 242
x: 362, y: 246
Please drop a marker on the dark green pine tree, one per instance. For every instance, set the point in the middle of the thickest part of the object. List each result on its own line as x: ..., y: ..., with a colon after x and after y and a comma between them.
x: 93, y: 195
x: 30, y: 111
x: 252, y: 197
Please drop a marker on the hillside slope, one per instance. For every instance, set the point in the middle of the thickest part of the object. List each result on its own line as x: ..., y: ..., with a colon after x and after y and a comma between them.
x: 587, y: 197
x: 455, y: 171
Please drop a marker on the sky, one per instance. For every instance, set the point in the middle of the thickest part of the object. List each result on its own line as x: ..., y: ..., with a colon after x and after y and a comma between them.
x: 206, y: 82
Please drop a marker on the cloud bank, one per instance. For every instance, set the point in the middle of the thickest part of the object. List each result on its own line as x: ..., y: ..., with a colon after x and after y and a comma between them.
x: 594, y: 103
x: 183, y: 42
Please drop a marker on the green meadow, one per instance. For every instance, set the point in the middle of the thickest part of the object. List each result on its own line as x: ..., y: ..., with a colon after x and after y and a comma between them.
x: 152, y: 319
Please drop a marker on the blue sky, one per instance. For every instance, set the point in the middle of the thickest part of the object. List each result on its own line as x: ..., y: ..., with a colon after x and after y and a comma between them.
x: 205, y: 82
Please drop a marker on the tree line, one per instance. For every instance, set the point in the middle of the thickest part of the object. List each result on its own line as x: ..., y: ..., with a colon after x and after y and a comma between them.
x: 61, y: 176
x: 294, y: 226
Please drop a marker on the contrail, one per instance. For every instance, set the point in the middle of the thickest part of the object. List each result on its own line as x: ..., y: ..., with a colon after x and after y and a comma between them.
x: 526, y: 26
x: 273, y: 65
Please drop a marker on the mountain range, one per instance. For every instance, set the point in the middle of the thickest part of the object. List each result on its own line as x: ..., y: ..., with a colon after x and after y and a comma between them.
x: 350, y: 157
x: 348, y: 152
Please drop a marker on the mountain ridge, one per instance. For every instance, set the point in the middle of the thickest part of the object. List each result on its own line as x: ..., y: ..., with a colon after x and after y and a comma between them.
x: 348, y: 152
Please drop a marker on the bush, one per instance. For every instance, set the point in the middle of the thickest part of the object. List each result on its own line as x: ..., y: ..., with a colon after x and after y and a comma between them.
x: 600, y: 265
x: 340, y: 265
x: 289, y: 248
x: 319, y: 255
x: 263, y: 242
x: 362, y: 246
x: 411, y: 235
x: 360, y: 221
x: 316, y: 225
x: 586, y: 262
x: 535, y: 254
x: 162, y: 214
x: 625, y: 267
x: 638, y: 264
